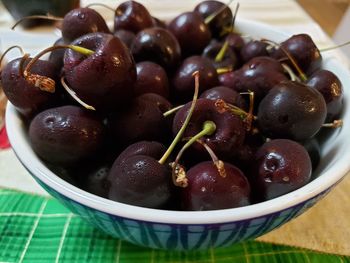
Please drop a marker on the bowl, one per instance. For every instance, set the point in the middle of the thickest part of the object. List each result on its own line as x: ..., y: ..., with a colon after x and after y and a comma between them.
x: 182, y: 230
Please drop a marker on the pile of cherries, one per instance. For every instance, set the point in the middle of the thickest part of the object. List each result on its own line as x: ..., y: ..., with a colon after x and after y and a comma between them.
x: 186, y: 115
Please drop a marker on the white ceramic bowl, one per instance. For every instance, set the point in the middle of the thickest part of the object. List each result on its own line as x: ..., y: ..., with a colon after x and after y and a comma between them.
x: 192, y: 230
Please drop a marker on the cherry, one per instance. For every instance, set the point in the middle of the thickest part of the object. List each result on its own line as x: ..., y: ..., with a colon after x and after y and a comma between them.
x: 303, y: 50
x: 183, y: 82
x: 159, y: 23
x: 111, y: 68
x: 26, y: 97
x: 235, y: 42
x: 191, y: 32
x: 157, y: 45
x: 329, y: 85
x: 81, y: 21
x: 151, y: 78
x: 56, y: 56
x: 148, y: 148
x: 291, y: 110
x: 141, y: 121
x: 221, y: 20
x: 313, y: 148
x: 227, y: 60
x: 132, y: 16
x: 162, y: 103
x: 208, y: 190
x: 259, y: 75
x: 280, y: 166
x: 228, y: 135
x: 253, y: 49
x: 126, y: 36
x: 229, y: 95
x: 66, y: 135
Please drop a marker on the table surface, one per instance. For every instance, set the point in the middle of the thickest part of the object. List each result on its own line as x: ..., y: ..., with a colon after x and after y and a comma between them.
x: 325, y: 227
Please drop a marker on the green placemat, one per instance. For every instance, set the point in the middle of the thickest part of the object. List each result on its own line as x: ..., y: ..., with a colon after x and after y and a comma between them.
x: 39, y: 229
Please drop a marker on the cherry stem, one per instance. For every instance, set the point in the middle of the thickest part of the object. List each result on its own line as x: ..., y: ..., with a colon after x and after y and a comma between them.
x: 171, y: 111
x: 218, y: 163
x: 8, y: 50
x: 220, y: 56
x: 224, y: 70
x: 47, y: 17
x: 74, y: 95
x: 249, y: 118
x: 211, y: 17
x: 21, y: 64
x: 334, y: 47
x: 46, y: 83
x: 178, y: 172
x: 334, y: 124
x: 99, y: 4
x: 290, y: 72
x: 227, y: 30
x: 290, y: 57
x: 187, y: 120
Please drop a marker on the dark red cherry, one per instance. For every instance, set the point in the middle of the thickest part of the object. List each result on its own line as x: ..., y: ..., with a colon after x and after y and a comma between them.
x: 208, y: 190
x: 105, y: 79
x: 235, y: 42
x: 159, y: 23
x: 291, y: 110
x: 229, y: 59
x: 56, y: 56
x: 126, y: 36
x: 140, y: 121
x: 329, y: 85
x: 140, y: 180
x: 229, y: 133
x: 95, y: 180
x: 162, y: 103
x: 151, y: 78
x: 132, y: 16
x: 229, y: 95
x: 221, y: 21
x: 253, y: 49
x: 280, y: 167
x: 304, y: 51
x: 191, y: 32
x: 66, y: 135
x: 183, y: 81
x: 28, y: 99
x: 157, y: 45
x: 148, y: 148
x: 82, y: 21
x: 259, y: 75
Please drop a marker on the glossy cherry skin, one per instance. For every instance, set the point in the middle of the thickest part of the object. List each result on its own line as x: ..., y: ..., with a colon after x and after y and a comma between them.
x: 302, y: 48
x: 229, y: 59
x: 157, y: 45
x: 151, y: 78
x: 105, y: 79
x: 140, y: 121
x: 235, y: 42
x: 183, y: 81
x: 140, y: 180
x: 253, y: 49
x: 126, y: 36
x: 329, y: 85
x: 28, y: 99
x: 82, y: 21
x: 149, y: 148
x: 208, y: 190
x: 132, y: 16
x: 229, y: 133
x: 221, y: 20
x: 229, y: 95
x: 280, y: 166
x: 66, y: 135
x: 291, y: 110
x: 259, y: 75
x: 191, y: 32
x: 162, y: 103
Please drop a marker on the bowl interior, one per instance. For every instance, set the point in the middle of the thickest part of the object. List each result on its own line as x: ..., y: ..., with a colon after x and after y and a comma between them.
x: 334, y: 164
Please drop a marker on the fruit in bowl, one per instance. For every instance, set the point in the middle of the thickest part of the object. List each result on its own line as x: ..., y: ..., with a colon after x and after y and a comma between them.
x: 243, y: 184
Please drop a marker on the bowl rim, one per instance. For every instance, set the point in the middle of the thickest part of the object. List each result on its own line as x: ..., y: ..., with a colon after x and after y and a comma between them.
x: 332, y: 175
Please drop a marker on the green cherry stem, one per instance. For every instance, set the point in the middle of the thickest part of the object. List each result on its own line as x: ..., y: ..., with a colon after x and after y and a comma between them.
x: 187, y: 120
x: 171, y: 111
x: 100, y: 4
x: 219, y: 57
x: 46, y: 83
x: 224, y: 70
x: 334, y: 47
x: 211, y: 17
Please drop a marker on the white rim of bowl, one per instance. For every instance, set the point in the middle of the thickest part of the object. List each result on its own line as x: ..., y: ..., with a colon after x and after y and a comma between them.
x: 22, y: 148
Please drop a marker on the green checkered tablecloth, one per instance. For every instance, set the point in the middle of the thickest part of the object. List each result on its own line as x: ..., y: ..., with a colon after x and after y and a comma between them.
x: 39, y: 229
